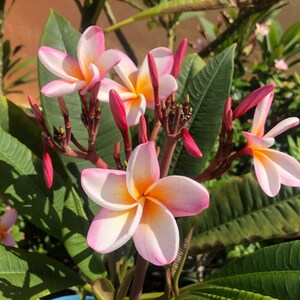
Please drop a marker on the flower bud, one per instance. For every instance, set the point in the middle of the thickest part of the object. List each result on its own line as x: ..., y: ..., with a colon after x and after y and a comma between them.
x: 190, y: 145
x: 178, y: 58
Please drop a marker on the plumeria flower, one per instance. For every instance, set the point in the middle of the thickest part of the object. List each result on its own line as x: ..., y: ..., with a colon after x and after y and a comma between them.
x: 281, y: 65
x: 92, y: 66
x: 139, y: 204
x: 262, y: 29
x: 272, y: 168
x: 8, y: 219
x: 137, y: 94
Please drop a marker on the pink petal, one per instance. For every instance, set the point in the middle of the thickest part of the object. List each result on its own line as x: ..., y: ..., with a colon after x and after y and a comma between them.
x: 127, y: 71
x: 179, y: 56
x: 267, y: 174
x: 167, y: 86
x: 258, y: 142
x: 108, y: 84
x: 163, y: 58
x: 282, y: 126
x: 289, y: 168
x: 181, y: 195
x: 107, y: 188
x: 260, y: 115
x: 157, y: 238
x: 8, y: 240
x: 112, y: 229
x: 252, y: 100
x: 134, y: 108
x: 118, y: 110
x: 142, y: 169
x: 60, y: 64
x: 90, y: 47
x: 58, y: 88
x: 190, y: 145
x: 107, y: 61
x: 92, y: 77
x: 9, y: 218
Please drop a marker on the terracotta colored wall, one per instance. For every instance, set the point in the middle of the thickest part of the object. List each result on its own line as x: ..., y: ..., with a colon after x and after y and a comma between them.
x: 24, y: 25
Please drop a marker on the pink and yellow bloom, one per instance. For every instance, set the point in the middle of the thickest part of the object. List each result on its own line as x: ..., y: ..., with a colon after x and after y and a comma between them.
x: 137, y: 94
x: 8, y: 219
x: 92, y: 66
x: 281, y: 65
x: 262, y: 29
x: 272, y: 168
x: 139, y: 204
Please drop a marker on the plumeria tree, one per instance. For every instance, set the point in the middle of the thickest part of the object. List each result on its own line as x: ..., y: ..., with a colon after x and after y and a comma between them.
x: 131, y: 171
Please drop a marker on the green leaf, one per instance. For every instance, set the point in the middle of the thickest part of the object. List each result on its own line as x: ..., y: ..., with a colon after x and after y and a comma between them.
x: 177, y: 6
x: 26, y: 275
x: 239, y: 212
x: 208, y: 91
x: 291, y: 37
x: 59, y: 211
x: 272, y: 271
x: 206, y: 291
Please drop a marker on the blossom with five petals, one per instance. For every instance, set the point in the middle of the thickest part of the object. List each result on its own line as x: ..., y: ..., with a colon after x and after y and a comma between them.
x: 137, y: 94
x: 272, y: 168
x: 139, y: 204
x: 8, y: 219
x: 92, y: 66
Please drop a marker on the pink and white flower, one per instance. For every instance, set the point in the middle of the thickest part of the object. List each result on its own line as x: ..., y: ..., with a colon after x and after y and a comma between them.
x: 272, y: 168
x: 8, y: 219
x: 281, y: 65
x: 137, y: 94
x: 92, y: 66
x: 262, y: 29
x: 139, y: 204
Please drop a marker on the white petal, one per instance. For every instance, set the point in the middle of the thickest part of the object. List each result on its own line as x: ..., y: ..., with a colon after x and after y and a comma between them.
x: 60, y: 64
x: 58, y: 88
x: 107, y: 188
x: 135, y: 108
x: 90, y: 47
x: 142, y: 169
x: 181, y: 195
x: 282, y: 126
x: 157, y: 238
x: 108, y: 84
x: 289, y: 168
x: 260, y: 115
x: 127, y: 71
x: 112, y: 229
x: 258, y: 142
x: 107, y: 61
x: 267, y: 173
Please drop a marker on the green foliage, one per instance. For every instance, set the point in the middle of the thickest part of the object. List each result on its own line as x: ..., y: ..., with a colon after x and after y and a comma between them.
x: 269, y: 273
x: 25, y: 275
x: 59, y: 212
x: 208, y: 90
x: 240, y: 212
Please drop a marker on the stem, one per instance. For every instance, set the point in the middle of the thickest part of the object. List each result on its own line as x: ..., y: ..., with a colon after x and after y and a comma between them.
x: 2, y: 17
x: 112, y: 20
x: 139, y: 278
x: 167, y: 155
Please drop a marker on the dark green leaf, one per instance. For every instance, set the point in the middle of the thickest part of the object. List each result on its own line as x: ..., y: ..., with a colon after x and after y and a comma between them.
x: 208, y: 92
x: 26, y: 275
x: 240, y: 212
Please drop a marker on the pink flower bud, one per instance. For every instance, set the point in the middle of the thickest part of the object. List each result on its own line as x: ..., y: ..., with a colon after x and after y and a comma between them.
x: 252, y: 100
x: 154, y: 77
x: 227, y: 115
x: 143, y: 138
x: 47, y: 167
x: 190, y: 145
x: 178, y: 58
x: 118, y: 111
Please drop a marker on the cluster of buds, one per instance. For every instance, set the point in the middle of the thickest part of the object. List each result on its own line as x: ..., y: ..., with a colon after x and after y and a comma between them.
x: 62, y: 137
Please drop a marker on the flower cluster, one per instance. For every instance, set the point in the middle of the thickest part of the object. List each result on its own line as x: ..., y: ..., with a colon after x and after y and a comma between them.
x: 139, y: 200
